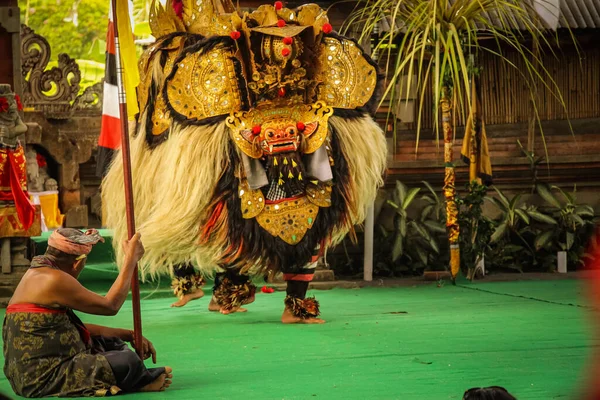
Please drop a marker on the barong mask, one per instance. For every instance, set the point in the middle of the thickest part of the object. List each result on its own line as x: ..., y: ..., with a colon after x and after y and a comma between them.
x: 283, y: 73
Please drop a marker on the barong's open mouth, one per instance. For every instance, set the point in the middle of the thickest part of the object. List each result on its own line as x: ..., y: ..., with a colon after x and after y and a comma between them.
x: 280, y: 146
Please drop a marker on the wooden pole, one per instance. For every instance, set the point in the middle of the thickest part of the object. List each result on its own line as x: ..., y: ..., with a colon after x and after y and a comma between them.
x: 369, y: 229
x: 135, y: 285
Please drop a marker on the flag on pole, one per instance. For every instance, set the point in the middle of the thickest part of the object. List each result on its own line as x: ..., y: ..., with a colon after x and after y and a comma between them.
x: 475, y: 152
x: 110, y: 132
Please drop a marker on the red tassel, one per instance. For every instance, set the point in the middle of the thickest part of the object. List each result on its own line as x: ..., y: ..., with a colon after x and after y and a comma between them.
x: 206, y: 231
x: 288, y: 40
x: 235, y: 35
x: 327, y: 28
x: 281, y: 23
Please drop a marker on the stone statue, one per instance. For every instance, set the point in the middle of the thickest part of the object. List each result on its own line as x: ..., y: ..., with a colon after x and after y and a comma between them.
x: 51, y: 185
x: 19, y: 218
x: 11, y: 124
x: 36, y: 175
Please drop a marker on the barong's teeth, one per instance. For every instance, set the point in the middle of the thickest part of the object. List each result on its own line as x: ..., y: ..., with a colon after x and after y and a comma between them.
x: 270, y: 148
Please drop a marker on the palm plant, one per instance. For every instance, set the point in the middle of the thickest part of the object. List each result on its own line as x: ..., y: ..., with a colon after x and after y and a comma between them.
x: 437, y: 42
x: 569, y: 219
x: 415, y: 238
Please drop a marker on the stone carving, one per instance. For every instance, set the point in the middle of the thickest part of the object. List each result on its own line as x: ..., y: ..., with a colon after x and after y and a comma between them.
x: 51, y: 185
x: 53, y: 91
x: 65, y: 124
x: 37, y: 174
x: 11, y: 124
x: 90, y: 100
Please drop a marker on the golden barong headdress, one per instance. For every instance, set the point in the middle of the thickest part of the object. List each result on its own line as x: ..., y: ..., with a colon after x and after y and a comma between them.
x: 272, y: 57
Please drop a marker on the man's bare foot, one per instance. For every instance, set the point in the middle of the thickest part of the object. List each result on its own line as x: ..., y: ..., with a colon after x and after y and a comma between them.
x: 213, y: 306
x: 197, y: 294
x: 289, y: 318
x: 161, y: 383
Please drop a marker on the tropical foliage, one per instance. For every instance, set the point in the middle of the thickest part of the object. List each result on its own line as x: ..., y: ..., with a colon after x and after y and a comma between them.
x: 77, y: 28
x: 438, y: 42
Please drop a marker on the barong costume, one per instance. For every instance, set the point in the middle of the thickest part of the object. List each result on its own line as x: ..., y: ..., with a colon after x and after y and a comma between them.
x: 49, y: 352
x: 256, y: 149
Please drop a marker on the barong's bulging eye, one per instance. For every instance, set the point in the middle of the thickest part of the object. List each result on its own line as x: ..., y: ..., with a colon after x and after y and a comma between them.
x: 270, y: 133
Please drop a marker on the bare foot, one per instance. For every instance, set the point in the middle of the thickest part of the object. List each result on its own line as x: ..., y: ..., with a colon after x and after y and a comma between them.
x: 197, y: 294
x: 289, y: 318
x: 161, y: 383
x: 213, y: 306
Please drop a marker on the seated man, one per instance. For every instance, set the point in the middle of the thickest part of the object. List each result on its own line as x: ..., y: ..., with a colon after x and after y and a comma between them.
x: 48, y: 351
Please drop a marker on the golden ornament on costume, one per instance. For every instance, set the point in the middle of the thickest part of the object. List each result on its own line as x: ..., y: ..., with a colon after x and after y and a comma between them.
x: 205, y: 85
x: 279, y: 132
x: 289, y: 220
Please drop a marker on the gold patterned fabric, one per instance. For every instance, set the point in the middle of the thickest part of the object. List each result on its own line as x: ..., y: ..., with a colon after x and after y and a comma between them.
x: 45, y: 356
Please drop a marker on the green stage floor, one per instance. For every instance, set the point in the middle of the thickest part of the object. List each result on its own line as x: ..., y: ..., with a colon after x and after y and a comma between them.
x: 405, y: 343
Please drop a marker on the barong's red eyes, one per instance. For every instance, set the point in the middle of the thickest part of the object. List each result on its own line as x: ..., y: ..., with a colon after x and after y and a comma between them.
x: 300, y: 126
x: 256, y: 130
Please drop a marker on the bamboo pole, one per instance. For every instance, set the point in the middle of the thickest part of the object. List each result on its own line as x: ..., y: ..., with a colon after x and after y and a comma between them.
x: 135, y: 285
x: 449, y: 183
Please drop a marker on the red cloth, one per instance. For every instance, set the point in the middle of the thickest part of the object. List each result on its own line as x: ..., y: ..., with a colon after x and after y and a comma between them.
x: 32, y: 308
x: 13, y: 184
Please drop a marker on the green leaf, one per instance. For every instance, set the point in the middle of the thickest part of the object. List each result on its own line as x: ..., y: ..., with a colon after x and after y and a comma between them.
x: 398, y: 249
x: 514, y: 201
x: 400, y: 193
x: 523, y: 214
x: 435, y: 226
x: 585, y: 210
x: 499, y: 232
x: 434, y: 245
x: 422, y: 255
x: 570, y: 240
x: 391, y: 203
x: 568, y: 197
x: 410, y: 197
x: 578, y: 220
x: 420, y: 230
x: 543, y: 239
x: 540, y: 217
x: 426, y: 213
x: 430, y: 188
x: 403, y: 228
x: 503, y: 200
x: 547, y: 195
x: 497, y: 203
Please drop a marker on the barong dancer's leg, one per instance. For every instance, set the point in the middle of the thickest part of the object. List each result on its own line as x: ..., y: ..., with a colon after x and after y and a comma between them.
x: 231, y: 291
x: 186, y: 284
x: 298, y: 308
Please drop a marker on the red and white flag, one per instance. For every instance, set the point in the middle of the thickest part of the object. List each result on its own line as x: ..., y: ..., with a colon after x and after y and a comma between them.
x: 110, y: 132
